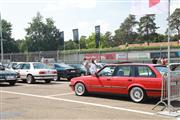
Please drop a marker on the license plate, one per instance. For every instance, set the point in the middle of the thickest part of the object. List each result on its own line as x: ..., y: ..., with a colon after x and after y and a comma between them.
x: 10, y: 77
x: 73, y: 71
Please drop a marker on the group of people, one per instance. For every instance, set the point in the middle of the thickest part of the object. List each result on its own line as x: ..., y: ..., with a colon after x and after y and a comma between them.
x: 91, y: 68
x: 162, y: 61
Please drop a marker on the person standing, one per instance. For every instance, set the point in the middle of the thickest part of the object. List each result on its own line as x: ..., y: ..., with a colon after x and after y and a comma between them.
x: 164, y: 61
x: 154, y: 60
x: 93, y: 68
x: 86, y: 65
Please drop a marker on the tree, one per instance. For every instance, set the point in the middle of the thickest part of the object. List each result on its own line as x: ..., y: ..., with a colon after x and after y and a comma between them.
x: 108, y: 39
x: 125, y: 31
x: 42, y: 36
x: 9, y: 44
x: 83, y: 42
x: 175, y: 22
x: 147, y: 28
x: 70, y: 45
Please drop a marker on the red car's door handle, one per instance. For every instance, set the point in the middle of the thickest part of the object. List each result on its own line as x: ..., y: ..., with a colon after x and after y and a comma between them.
x: 130, y: 80
x: 108, y: 79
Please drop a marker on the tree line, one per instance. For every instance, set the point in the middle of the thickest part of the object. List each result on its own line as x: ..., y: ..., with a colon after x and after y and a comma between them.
x: 45, y: 36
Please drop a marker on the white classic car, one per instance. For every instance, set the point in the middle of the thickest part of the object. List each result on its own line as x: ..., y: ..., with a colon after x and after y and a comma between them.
x: 32, y: 71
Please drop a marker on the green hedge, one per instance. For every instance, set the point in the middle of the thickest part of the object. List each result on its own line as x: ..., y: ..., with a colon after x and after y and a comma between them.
x: 118, y: 49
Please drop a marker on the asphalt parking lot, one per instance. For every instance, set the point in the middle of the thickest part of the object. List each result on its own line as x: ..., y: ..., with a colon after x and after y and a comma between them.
x: 56, y: 101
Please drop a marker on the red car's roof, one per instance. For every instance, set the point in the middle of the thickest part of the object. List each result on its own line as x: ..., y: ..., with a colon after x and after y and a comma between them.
x: 149, y: 64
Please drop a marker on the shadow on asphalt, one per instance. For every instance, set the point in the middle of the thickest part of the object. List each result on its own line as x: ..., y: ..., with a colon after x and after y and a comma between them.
x: 150, y: 101
x: 7, y: 85
x: 122, y: 98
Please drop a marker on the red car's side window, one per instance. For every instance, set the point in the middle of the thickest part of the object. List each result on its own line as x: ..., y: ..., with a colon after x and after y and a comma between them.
x: 124, y: 71
x: 145, y: 71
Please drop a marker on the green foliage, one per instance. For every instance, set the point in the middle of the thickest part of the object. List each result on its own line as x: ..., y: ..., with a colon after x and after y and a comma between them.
x: 125, y: 32
x: 83, y: 42
x: 118, y: 49
x: 147, y: 28
x: 42, y: 36
x: 175, y: 22
x: 70, y: 45
x: 9, y: 44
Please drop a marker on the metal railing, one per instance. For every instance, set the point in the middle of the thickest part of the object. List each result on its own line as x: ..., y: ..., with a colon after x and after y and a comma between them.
x: 170, y: 90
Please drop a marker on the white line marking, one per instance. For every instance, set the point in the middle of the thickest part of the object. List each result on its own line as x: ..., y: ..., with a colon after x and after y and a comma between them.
x: 60, y: 94
x: 81, y: 102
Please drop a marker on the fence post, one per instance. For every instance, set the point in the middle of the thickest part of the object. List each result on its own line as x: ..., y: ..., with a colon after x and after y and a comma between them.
x: 39, y: 56
x: 57, y: 57
x: 27, y: 57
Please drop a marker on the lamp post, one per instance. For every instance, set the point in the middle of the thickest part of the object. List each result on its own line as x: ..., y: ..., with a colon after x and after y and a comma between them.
x: 2, y: 56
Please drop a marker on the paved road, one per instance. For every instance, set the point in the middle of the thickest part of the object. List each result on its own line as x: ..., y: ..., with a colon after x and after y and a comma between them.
x: 57, y: 101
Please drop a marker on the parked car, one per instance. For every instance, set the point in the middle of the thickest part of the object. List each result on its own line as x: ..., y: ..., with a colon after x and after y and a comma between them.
x: 12, y: 65
x: 139, y: 81
x: 65, y: 71
x: 81, y: 68
x: 8, y: 76
x: 100, y: 65
x: 32, y: 71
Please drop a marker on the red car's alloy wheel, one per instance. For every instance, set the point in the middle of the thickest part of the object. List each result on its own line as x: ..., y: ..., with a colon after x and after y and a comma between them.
x: 80, y: 89
x: 137, y: 94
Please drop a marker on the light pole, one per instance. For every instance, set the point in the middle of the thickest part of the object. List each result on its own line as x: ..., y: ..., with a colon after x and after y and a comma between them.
x: 2, y: 56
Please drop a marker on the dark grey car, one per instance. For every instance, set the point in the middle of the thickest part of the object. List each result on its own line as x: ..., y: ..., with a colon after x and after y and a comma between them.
x: 8, y: 76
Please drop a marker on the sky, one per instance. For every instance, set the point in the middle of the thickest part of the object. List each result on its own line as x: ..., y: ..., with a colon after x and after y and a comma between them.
x: 81, y: 14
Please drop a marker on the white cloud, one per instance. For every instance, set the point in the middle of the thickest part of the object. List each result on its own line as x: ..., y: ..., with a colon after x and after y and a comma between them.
x: 64, y: 4
x: 104, y: 25
x: 142, y: 7
x: 174, y: 5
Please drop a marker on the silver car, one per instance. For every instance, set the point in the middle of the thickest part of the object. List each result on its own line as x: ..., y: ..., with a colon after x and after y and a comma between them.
x: 32, y: 71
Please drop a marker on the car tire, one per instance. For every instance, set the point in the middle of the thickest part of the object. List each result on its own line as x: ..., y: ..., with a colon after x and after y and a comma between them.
x: 12, y: 82
x: 30, y: 79
x: 137, y: 94
x: 56, y: 78
x: 69, y: 79
x: 47, y: 81
x: 80, y: 89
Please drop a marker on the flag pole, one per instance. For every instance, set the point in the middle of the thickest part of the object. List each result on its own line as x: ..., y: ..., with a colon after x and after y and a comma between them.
x: 2, y: 56
x: 169, y: 94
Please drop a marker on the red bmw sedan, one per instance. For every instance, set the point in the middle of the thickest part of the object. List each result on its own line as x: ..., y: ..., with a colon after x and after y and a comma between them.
x: 139, y: 81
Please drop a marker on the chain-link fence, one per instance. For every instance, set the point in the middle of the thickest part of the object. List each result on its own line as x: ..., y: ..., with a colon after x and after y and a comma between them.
x: 77, y: 57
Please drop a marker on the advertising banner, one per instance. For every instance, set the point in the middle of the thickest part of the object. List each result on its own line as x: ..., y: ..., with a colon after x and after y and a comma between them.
x: 139, y: 56
x: 106, y: 56
x: 97, y: 31
x: 62, y: 39
x: 121, y: 56
x: 75, y: 35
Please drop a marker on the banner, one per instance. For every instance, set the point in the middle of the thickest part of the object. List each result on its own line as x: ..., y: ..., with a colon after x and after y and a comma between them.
x: 75, y: 35
x: 62, y: 39
x: 106, y: 56
x: 97, y: 31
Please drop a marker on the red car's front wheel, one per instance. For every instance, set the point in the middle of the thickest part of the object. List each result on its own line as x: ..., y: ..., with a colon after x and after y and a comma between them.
x: 80, y: 89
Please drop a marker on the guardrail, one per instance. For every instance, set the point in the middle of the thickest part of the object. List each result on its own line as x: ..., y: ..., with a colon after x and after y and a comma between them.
x: 170, y: 90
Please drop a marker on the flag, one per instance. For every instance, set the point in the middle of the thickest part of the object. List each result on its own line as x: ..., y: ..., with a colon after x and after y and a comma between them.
x: 75, y: 35
x: 143, y: 7
x: 62, y: 39
x: 97, y: 31
x: 153, y: 2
